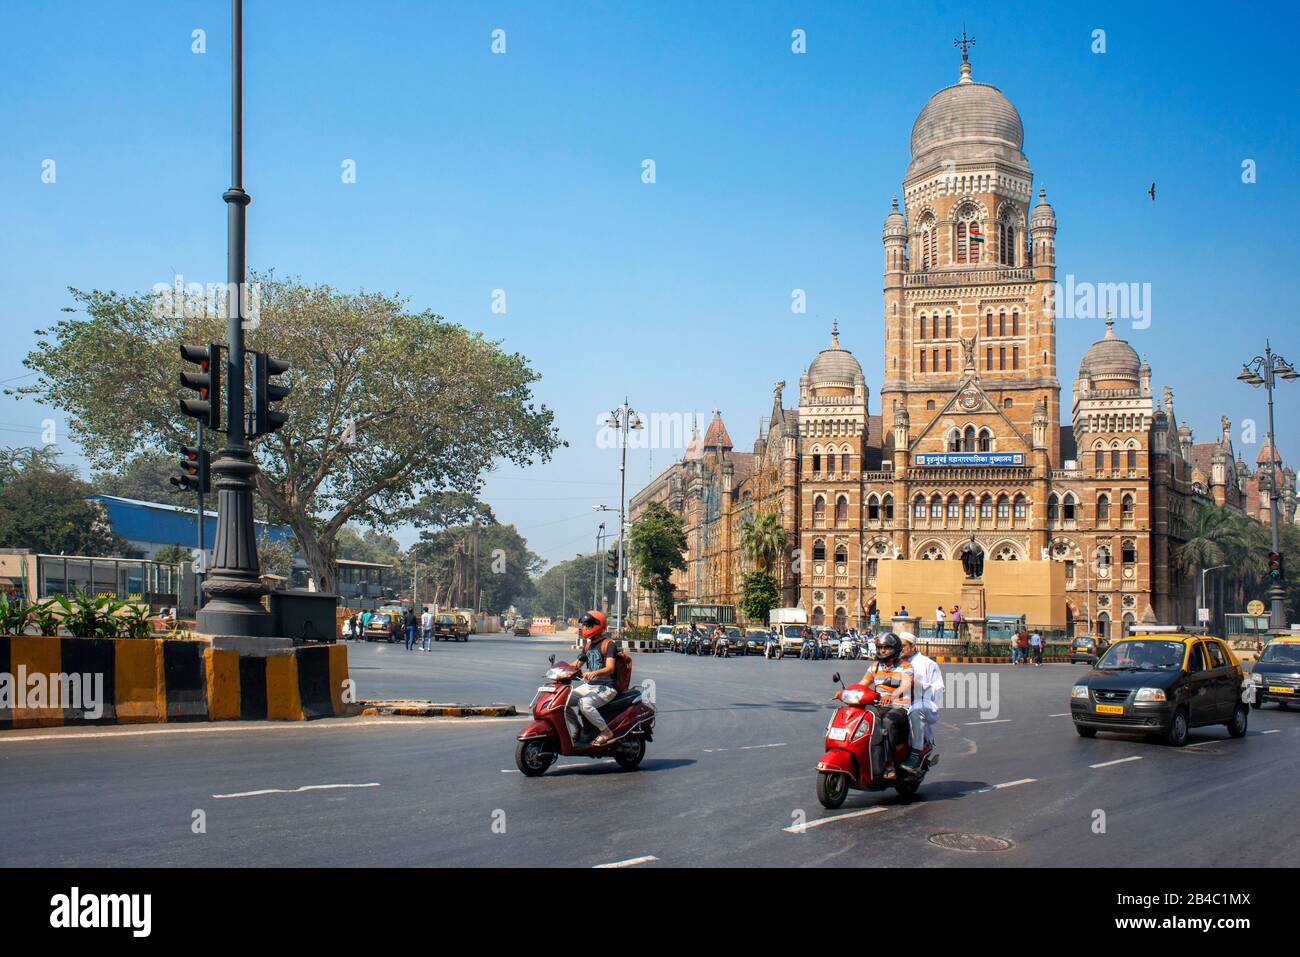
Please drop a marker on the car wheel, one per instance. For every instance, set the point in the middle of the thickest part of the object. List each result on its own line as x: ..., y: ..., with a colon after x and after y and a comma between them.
x: 1176, y: 734
x: 1085, y: 731
x: 1237, y: 726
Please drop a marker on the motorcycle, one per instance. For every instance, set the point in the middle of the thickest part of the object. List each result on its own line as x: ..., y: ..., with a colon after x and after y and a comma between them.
x: 849, y: 648
x: 854, y: 739
x: 631, y: 726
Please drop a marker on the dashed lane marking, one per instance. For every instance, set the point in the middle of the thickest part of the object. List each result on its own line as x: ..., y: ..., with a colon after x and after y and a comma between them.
x: 1106, y: 764
x: 1063, y: 714
x: 305, y: 787
x: 630, y: 862
x: 756, y: 747
x: 971, y: 724
x: 1272, y: 731
x: 1012, y: 784
x: 800, y: 828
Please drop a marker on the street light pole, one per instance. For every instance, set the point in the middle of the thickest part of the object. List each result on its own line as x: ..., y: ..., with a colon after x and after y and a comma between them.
x: 623, y: 418
x: 1263, y: 370
x: 600, y: 567
x: 1204, y: 604
x: 234, y: 588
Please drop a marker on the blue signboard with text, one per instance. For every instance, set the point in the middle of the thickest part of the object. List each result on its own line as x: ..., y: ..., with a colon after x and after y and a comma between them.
x: 970, y: 458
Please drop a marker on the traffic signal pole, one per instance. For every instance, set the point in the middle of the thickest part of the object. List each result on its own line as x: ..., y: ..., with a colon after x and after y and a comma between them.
x: 234, y: 589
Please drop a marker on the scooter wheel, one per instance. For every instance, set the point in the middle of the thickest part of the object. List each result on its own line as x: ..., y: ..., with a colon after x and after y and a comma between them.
x: 907, y: 788
x: 832, y: 789
x: 532, y: 758
x: 630, y: 752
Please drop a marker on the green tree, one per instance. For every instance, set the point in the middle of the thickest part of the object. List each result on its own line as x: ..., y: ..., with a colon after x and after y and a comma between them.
x: 48, y: 512
x: 147, y: 478
x: 566, y: 588
x: 657, y: 548
x: 387, y: 404
x: 763, y: 540
x: 174, y: 555
x: 1216, y: 536
x: 758, y: 596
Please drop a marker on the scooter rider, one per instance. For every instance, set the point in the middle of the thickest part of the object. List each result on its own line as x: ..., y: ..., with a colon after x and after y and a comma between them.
x: 923, y: 715
x: 893, y: 678
x: 597, y: 665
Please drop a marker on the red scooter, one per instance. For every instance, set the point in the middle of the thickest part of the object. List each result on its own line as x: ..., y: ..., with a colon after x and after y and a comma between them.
x: 631, y: 725
x: 853, y: 743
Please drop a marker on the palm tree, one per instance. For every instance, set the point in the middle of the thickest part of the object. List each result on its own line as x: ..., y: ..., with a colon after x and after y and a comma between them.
x: 1216, y: 536
x: 762, y: 540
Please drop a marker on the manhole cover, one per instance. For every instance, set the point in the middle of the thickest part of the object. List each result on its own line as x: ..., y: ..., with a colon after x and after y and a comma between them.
x: 971, y: 843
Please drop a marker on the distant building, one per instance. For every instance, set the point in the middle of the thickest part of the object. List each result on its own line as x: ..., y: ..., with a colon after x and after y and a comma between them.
x: 148, y: 527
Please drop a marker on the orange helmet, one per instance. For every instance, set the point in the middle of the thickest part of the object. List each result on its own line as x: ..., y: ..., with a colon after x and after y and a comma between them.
x: 591, y: 624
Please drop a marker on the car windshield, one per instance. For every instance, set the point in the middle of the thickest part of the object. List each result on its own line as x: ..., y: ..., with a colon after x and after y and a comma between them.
x: 446, y: 620
x: 1288, y: 652
x: 1143, y: 655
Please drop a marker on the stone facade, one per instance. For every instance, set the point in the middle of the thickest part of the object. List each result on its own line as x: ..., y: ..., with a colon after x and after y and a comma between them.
x: 970, y: 446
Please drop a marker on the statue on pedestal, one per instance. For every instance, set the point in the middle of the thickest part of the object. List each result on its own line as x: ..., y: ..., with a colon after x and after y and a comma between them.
x: 972, y: 558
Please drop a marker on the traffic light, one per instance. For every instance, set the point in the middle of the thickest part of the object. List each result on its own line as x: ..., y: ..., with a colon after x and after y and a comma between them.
x: 266, y: 419
x: 206, y: 382
x: 611, y: 561
x: 1275, y: 566
x: 196, y: 470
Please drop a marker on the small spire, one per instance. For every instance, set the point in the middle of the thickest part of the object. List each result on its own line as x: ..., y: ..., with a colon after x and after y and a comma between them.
x: 835, y: 333
x: 1110, y: 325
x: 1042, y: 194
x: 895, y: 203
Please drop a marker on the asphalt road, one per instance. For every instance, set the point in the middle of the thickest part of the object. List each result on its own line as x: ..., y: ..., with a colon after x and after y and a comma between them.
x: 727, y: 781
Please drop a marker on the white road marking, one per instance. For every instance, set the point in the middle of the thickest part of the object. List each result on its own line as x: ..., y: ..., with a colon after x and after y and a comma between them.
x: 630, y: 862
x: 800, y: 828
x: 1063, y: 714
x: 756, y: 747
x: 305, y: 787
x: 1106, y: 764
x: 1011, y: 784
x: 971, y: 724
x: 1273, y: 731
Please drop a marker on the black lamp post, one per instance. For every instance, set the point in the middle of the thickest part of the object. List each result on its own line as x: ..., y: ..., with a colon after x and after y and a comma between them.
x: 1265, y: 370
x: 234, y: 588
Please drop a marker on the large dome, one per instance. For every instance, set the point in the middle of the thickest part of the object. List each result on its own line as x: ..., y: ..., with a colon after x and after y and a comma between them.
x: 834, y: 366
x: 967, y: 122
x: 1110, y: 358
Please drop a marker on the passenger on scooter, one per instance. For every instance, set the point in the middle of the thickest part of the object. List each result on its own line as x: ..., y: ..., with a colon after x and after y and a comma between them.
x: 923, y: 715
x: 597, y: 665
x: 892, y: 677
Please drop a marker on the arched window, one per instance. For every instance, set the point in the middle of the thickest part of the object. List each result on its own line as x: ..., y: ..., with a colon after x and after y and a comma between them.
x: 922, y: 325
x: 1103, y: 561
x: 953, y: 442
x: 986, y: 509
x: 841, y: 554
x: 819, y: 616
x: 1103, y: 508
x: 985, y: 440
x: 830, y: 462
x: 1020, y: 509
x: 1128, y: 552
x: 954, y: 510
x: 968, y: 439
x: 929, y: 241
x: 841, y: 619
x: 1004, y: 510
x: 1006, y: 238
x: 947, y: 325
x: 889, y: 508
x: 918, y: 508
x: 1015, y: 323
x: 1068, y: 508
x: 936, y: 508
x: 988, y: 324
x: 1002, y: 323
x: 1053, y: 508
x: 873, y: 508
x: 819, y: 510
x: 1103, y: 625
x: 1126, y: 508
x: 841, y: 511
x: 966, y: 250
x: 968, y: 511
x: 819, y: 549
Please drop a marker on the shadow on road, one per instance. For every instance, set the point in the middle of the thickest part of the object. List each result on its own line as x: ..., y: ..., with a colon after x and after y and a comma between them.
x: 608, y: 767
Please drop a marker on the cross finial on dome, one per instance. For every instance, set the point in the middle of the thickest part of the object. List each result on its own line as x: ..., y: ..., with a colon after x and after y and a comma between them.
x: 965, y: 43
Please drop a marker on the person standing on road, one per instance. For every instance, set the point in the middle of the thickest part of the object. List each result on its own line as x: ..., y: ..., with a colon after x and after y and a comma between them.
x: 426, y: 631
x: 365, y: 623
x: 1015, y: 648
x: 1036, y: 646
x: 938, y: 622
x: 408, y: 624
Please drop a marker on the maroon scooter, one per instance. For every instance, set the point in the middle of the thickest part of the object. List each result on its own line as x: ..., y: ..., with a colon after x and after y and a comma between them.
x: 631, y: 723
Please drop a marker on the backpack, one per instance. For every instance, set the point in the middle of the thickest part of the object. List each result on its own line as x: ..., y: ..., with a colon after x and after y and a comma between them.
x: 622, y: 668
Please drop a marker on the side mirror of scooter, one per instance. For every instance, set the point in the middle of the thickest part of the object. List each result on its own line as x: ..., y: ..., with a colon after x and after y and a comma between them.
x: 835, y: 677
x: 551, y: 659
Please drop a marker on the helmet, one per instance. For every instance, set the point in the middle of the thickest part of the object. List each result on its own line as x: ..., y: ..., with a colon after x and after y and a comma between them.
x: 591, y: 625
x: 888, y: 647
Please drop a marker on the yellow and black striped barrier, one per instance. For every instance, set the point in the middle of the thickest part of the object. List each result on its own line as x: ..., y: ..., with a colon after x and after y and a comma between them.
x: 51, y: 682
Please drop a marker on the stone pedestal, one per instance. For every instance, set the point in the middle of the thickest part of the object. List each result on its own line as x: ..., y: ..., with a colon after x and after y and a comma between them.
x: 901, y: 623
x: 972, y: 608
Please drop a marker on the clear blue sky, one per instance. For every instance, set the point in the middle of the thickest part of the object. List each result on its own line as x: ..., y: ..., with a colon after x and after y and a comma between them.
x: 774, y: 171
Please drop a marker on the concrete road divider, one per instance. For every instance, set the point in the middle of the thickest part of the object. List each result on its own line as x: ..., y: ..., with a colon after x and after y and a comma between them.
x: 52, y: 681
x: 430, y: 709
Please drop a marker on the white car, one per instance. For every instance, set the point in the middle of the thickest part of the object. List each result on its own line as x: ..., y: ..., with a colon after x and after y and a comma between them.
x: 664, y: 635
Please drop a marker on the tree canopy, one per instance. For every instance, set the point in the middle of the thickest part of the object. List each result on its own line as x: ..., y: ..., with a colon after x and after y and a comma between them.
x: 388, y: 405
x: 657, y: 548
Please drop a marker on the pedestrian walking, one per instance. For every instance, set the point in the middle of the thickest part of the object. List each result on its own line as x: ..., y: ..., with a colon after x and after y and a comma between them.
x: 408, y: 622
x: 365, y: 623
x: 426, y: 631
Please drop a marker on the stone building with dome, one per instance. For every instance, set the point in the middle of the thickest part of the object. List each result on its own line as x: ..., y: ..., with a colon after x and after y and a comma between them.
x: 1075, y: 522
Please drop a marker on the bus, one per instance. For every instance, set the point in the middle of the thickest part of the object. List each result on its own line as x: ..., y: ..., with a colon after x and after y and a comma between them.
x: 689, y: 613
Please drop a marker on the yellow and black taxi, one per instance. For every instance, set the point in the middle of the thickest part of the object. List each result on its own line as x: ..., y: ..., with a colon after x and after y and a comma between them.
x: 756, y: 640
x: 449, y: 626
x: 522, y: 628
x: 1276, y: 672
x: 1161, y: 683
x: 1087, y: 648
